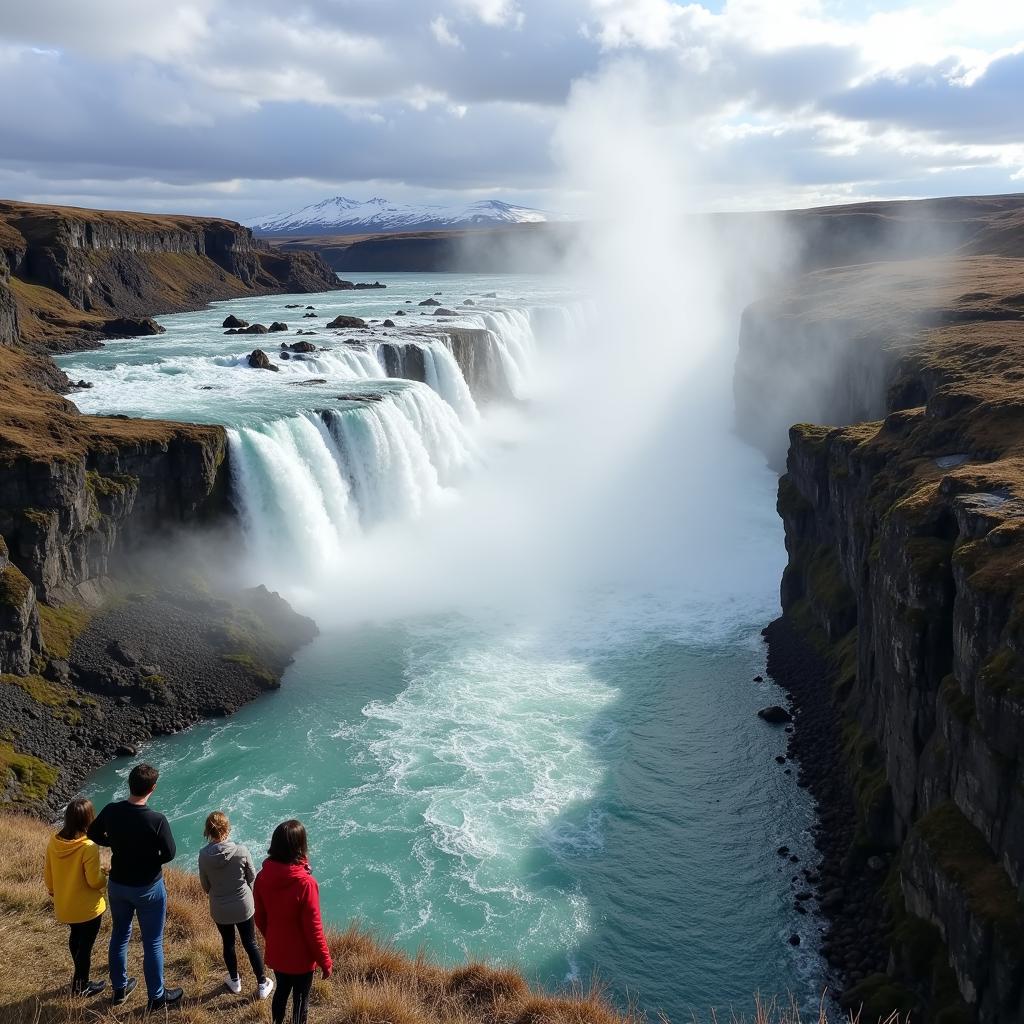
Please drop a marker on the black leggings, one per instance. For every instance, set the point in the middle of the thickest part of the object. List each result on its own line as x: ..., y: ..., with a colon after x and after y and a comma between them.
x: 80, y: 942
x: 297, y: 986
x: 247, y: 933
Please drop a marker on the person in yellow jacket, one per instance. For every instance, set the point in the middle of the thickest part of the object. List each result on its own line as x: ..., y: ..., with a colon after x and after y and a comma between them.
x: 77, y: 882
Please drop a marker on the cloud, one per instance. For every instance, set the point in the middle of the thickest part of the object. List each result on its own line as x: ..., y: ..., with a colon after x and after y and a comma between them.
x: 443, y: 33
x: 942, y: 100
x: 213, y: 101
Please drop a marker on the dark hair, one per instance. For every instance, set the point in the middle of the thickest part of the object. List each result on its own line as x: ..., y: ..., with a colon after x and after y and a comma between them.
x: 78, y: 816
x: 288, y: 844
x: 217, y: 826
x: 142, y: 779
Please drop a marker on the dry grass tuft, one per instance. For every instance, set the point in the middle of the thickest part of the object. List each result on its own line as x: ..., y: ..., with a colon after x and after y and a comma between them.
x: 373, y: 983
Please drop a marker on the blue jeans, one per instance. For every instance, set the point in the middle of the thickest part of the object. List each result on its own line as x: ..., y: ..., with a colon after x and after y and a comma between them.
x: 150, y: 903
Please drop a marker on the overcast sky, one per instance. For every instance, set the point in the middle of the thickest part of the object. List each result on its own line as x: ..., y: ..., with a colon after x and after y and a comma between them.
x: 247, y: 107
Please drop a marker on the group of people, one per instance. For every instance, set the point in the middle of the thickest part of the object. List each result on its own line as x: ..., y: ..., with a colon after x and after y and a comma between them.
x: 281, y: 900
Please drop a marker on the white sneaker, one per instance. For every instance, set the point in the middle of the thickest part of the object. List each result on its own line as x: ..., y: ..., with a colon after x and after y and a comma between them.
x: 233, y: 984
x: 265, y: 988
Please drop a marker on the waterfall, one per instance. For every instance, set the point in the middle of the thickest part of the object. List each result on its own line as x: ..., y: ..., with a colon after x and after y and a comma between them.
x: 309, y: 483
x: 513, y: 334
x: 445, y: 376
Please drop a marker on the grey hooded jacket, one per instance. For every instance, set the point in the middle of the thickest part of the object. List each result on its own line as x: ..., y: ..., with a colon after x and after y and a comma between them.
x: 226, y: 872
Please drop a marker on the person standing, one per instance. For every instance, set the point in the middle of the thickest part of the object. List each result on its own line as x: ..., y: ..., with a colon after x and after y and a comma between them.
x: 76, y: 880
x: 226, y: 873
x: 141, y: 843
x: 288, y: 915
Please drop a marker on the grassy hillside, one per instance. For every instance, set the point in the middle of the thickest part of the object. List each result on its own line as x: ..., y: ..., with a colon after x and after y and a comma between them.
x: 372, y: 984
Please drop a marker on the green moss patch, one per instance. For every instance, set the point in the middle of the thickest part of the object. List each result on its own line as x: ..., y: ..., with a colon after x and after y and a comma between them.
x: 963, y: 855
x: 251, y: 665
x: 51, y: 695
x: 32, y: 777
x: 866, y: 768
x: 15, y: 587
x: 1001, y: 673
x: 960, y: 703
x: 62, y: 626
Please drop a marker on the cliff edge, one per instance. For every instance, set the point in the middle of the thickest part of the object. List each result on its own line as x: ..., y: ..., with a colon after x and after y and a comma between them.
x: 70, y: 276
x: 903, y: 505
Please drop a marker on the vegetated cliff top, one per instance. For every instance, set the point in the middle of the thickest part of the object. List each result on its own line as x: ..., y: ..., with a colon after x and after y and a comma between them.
x: 38, y: 424
x: 22, y: 218
x: 70, y: 275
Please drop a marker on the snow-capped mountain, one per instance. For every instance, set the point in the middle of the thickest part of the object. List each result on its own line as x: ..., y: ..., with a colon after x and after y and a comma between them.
x: 342, y: 216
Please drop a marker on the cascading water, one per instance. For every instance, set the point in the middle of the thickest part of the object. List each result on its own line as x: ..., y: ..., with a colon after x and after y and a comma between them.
x: 311, y: 482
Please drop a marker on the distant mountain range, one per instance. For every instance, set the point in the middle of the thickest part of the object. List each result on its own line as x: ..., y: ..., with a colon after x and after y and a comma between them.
x: 342, y: 216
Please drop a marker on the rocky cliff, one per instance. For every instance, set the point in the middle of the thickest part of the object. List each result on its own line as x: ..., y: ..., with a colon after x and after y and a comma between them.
x: 903, y: 506
x: 68, y: 275
x: 101, y: 645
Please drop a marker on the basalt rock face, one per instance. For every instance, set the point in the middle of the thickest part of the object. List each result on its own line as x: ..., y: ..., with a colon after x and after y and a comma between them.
x: 64, y: 519
x: 77, y: 275
x: 905, y: 537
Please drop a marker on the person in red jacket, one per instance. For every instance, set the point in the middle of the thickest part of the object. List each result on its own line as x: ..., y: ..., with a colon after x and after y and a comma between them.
x: 288, y: 916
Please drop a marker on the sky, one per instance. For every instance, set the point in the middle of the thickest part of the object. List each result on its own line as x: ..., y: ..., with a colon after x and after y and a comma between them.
x: 243, y: 108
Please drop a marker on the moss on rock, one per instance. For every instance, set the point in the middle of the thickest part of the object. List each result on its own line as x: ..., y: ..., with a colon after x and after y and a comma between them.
x: 62, y: 626
x: 24, y: 778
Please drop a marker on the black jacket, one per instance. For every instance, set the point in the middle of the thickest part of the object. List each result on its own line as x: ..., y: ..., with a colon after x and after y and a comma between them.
x: 140, y: 841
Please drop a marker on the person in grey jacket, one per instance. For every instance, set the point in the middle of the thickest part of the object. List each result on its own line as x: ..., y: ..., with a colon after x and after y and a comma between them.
x: 226, y: 872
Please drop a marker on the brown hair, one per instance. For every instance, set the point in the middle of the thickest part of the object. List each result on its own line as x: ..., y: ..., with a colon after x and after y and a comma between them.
x: 142, y: 779
x: 217, y: 827
x: 288, y: 844
x: 78, y: 816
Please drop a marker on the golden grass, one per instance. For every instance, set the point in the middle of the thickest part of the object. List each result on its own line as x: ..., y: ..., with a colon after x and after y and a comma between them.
x: 373, y: 983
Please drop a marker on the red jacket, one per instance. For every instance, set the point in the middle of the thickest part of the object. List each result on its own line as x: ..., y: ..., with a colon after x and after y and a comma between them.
x: 288, y: 915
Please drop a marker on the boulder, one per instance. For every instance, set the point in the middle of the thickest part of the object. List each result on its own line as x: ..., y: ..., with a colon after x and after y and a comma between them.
x: 285, y: 354
x: 233, y: 321
x: 308, y: 315
x: 253, y: 329
x: 441, y: 311
x: 388, y: 323
x: 430, y: 302
x: 292, y: 305
x: 259, y: 360
x: 131, y: 327
x: 400, y: 312
x: 311, y: 307
x: 775, y: 715
x: 347, y: 321
x: 277, y: 326
x: 468, y: 302
x: 302, y: 346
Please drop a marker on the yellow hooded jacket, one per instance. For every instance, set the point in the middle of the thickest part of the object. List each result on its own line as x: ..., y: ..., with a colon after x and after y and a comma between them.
x: 75, y: 879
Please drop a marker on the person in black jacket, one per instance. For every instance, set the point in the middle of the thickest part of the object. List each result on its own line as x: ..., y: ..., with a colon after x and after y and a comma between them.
x: 141, y: 843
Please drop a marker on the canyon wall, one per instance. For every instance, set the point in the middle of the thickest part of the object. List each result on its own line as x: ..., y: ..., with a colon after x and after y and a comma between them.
x: 102, y: 644
x: 75, y: 275
x: 903, y: 505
